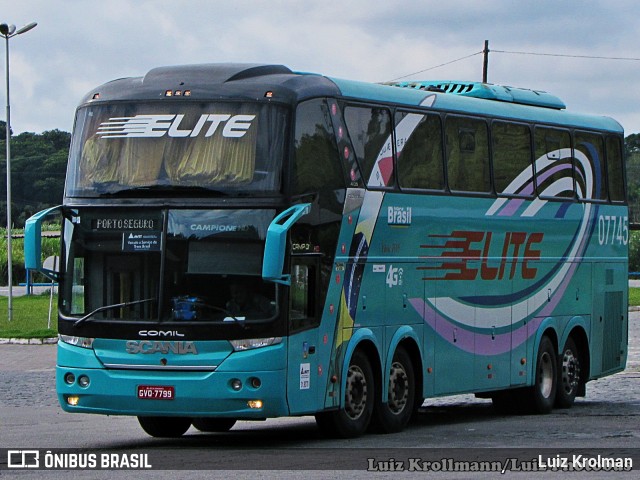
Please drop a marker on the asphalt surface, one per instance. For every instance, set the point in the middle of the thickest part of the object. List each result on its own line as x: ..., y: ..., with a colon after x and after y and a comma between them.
x: 608, y: 418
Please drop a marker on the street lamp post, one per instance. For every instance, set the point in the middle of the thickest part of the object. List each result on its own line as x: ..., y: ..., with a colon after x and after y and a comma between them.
x: 8, y: 31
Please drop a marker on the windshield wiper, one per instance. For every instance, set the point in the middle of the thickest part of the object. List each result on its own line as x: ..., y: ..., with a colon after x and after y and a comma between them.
x: 110, y: 307
x: 153, y: 189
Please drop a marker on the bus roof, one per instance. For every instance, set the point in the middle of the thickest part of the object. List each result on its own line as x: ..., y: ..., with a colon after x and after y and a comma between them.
x: 280, y: 84
x: 480, y: 99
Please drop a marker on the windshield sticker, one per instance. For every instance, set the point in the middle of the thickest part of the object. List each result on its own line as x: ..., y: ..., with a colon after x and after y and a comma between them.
x: 154, y: 126
x: 305, y: 376
x: 141, y: 242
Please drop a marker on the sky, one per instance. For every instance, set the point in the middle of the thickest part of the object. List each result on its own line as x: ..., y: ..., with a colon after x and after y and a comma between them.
x: 80, y: 44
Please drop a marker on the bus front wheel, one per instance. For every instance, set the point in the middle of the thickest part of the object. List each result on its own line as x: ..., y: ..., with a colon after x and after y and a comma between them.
x: 394, y: 414
x: 353, y: 419
x: 165, y: 427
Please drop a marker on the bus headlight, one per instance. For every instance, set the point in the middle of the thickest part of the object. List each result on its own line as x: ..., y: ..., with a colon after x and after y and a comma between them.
x: 251, y: 343
x: 83, y: 342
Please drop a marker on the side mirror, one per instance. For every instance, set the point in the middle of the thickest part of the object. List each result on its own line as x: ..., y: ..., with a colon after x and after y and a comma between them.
x: 276, y: 243
x: 33, y: 243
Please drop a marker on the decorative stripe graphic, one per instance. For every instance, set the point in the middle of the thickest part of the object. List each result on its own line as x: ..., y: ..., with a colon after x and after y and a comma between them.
x: 370, y: 211
x: 489, y: 313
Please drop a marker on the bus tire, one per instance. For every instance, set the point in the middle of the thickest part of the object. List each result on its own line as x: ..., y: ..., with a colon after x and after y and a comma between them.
x: 165, y: 427
x: 569, y: 374
x: 394, y: 414
x: 542, y: 394
x: 208, y: 425
x: 352, y: 420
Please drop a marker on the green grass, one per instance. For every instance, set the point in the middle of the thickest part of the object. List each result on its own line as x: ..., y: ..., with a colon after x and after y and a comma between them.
x: 634, y: 297
x: 30, y: 317
x: 31, y: 313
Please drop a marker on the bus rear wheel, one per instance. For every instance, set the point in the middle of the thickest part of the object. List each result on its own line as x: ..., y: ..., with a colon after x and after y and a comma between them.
x: 568, y: 375
x: 394, y: 414
x: 165, y: 427
x: 353, y: 419
x: 205, y: 424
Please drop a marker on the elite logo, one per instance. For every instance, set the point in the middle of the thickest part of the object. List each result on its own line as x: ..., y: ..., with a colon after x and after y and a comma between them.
x: 154, y: 126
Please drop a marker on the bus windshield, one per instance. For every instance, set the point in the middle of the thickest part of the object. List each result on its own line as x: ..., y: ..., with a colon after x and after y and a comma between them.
x: 129, y: 148
x: 211, y: 272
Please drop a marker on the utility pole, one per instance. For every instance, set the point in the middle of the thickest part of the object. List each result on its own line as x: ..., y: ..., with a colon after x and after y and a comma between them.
x: 485, y: 66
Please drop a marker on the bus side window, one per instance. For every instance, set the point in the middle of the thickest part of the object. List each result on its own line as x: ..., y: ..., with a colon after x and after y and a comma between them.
x: 554, y: 165
x: 591, y: 146
x: 419, y: 152
x: 303, y: 313
x: 316, y: 164
x: 467, y: 155
x: 370, y: 133
x: 511, y: 156
x: 615, y: 169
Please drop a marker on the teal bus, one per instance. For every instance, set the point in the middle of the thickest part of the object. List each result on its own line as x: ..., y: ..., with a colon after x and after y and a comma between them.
x: 243, y: 241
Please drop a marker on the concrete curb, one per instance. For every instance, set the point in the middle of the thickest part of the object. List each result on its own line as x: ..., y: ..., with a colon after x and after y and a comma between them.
x: 28, y: 341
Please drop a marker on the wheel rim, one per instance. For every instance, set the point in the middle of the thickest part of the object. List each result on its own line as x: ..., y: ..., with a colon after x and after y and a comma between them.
x: 545, y: 375
x: 356, y: 395
x: 398, y: 388
x: 570, y: 372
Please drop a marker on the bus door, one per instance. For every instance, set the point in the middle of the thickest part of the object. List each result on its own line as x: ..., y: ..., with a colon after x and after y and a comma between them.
x: 454, y: 345
x: 303, y: 380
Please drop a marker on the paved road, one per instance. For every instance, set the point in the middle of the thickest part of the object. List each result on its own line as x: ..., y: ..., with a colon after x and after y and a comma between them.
x: 608, y: 418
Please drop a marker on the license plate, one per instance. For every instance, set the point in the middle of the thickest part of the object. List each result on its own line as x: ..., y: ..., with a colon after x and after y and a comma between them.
x: 155, y: 392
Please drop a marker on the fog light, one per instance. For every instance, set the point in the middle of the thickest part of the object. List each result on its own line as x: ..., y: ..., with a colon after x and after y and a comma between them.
x: 73, y: 400
x: 83, y: 381
x: 255, y: 404
x: 69, y: 378
x: 256, y: 382
x: 236, y: 384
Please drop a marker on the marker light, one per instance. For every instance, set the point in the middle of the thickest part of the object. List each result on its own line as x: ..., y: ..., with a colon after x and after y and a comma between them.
x: 168, y: 93
x: 73, y: 400
x: 255, y: 404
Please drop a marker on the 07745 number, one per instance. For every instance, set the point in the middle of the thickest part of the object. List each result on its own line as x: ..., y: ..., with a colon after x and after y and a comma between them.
x: 613, y: 230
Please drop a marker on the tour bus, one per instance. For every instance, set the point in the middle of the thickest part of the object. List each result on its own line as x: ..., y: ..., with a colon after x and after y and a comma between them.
x: 243, y: 241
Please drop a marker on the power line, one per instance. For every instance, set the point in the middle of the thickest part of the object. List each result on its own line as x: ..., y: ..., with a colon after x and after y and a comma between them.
x: 595, y: 57
x: 486, y: 51
x: 437, y: 66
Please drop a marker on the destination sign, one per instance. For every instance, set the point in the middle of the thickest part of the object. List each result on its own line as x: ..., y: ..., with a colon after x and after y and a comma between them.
x: 125, y: 224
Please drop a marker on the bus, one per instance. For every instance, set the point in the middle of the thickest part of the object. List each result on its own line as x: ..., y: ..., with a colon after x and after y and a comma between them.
x: 244, y: 241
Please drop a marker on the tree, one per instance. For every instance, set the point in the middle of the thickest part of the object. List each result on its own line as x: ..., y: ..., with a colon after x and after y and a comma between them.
x: 38, y: 165
x: 632, y: 143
